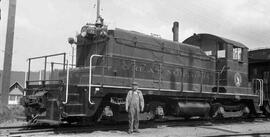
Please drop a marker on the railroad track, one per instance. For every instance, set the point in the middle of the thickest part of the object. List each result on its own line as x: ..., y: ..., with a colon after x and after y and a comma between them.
x: 65, y: 129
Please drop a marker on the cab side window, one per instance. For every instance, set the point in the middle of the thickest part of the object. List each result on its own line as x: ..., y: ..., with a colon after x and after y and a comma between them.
x: 237, y: 53
x: 221, y: 52
x: 208, y: 53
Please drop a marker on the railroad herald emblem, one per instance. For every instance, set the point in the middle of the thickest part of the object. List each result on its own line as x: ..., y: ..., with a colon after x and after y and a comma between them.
x: 237, y: 79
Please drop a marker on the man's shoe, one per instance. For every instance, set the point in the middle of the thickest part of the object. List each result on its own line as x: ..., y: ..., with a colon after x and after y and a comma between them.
x: 136, y: 131
x: 129, y: 132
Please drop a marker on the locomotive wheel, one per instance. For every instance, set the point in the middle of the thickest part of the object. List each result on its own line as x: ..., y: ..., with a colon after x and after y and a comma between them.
x: 266, y: 109
x: 151, y: 115
x: 246, y: 112
x: 85, y: 121
x: 100, y: 115
x: 216, y: 111
x: 152, y: 110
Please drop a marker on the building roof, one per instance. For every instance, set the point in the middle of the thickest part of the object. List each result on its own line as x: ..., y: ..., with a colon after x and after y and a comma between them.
x: 15, y: 85
x: 18, y: 77
x: 259, y: 55
x: 16, y: 89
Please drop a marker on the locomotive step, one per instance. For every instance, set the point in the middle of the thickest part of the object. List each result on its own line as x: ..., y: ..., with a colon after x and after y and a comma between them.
x: 74, y: 108
x: 74, y: 105
x: 73, y: 94
x: 73, y: 89
x: 74, y: 98
x: 76, y: 115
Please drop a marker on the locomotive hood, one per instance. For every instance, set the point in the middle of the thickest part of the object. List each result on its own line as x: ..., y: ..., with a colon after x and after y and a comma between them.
x: 141, y: 40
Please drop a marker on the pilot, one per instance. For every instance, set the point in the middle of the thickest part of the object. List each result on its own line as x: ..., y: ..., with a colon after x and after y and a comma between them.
x: 134, y: 104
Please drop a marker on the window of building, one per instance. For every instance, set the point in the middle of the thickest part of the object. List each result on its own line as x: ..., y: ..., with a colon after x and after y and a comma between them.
x: 237, y: 53
x: 12, y: 98
x: 19, y: 98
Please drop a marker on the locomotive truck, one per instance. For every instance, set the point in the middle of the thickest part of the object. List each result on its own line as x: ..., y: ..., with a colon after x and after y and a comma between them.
x: 204, y: 76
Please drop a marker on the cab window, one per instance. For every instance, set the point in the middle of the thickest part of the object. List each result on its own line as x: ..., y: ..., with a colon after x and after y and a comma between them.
x: 221, y: 52
x: 237, y: 53
x: 208, y: 53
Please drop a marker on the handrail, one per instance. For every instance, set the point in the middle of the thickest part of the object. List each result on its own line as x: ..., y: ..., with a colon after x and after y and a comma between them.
x: 90, y: 76
x: 260, y: 89
x: 261, y: 92
x: 47, y: 56
x: 67, y: 85
x: 45, y: 63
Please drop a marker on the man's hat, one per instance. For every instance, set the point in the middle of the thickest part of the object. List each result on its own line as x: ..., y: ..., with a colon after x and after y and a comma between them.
x: 134, y: 83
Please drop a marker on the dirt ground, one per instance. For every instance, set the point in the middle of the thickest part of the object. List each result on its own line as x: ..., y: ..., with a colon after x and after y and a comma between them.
x: 240, y: 129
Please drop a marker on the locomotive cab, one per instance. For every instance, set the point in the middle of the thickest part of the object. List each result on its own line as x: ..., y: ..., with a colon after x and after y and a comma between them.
x: 231, y: 62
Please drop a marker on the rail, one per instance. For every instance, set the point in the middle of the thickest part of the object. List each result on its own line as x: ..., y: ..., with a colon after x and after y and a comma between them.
x: 90, y: 76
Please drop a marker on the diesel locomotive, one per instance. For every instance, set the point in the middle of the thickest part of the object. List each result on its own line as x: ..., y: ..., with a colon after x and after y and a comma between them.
x: 259, y: 68
x: 204, y: 76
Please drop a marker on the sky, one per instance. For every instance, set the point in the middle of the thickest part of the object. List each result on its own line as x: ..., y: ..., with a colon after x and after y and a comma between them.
x: 42, y: 27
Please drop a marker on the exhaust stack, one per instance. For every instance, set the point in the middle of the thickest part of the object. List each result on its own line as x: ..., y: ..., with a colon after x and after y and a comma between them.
x: 175, y: 31
x: 99, y: 20
x: 98, y: 9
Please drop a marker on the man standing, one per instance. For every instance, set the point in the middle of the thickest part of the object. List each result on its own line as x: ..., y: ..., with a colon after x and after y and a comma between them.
x: 134, y: 103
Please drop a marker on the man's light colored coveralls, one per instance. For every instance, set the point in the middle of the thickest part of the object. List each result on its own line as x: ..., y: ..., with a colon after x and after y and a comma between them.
x: 134, y: 103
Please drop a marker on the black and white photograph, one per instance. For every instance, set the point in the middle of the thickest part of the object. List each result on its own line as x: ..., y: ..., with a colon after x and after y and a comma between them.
x: 126, y: 68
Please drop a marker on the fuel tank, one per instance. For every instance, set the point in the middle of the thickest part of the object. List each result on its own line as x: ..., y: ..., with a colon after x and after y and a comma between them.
x: 189, y: 109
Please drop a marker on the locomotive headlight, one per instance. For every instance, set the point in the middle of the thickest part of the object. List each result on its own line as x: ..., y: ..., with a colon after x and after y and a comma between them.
x: 83, y: 34
x: 84, y: 31
x: 91, y: 31
x: 103, y: 33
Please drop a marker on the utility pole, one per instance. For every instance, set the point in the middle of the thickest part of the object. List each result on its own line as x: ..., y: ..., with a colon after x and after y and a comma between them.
x: 0, y: 12
x: 8, y: 54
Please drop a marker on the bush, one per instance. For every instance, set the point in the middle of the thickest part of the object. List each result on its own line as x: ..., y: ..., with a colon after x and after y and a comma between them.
x: 11, y: 112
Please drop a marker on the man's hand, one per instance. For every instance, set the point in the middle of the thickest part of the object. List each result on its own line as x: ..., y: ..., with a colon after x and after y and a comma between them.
x: 126, y: 109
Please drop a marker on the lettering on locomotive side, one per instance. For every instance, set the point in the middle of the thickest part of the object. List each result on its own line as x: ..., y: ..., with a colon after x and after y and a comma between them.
x: 151, y: 71
x: 165, y: 70
x: 140, y: 67
x: 150, y: 68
